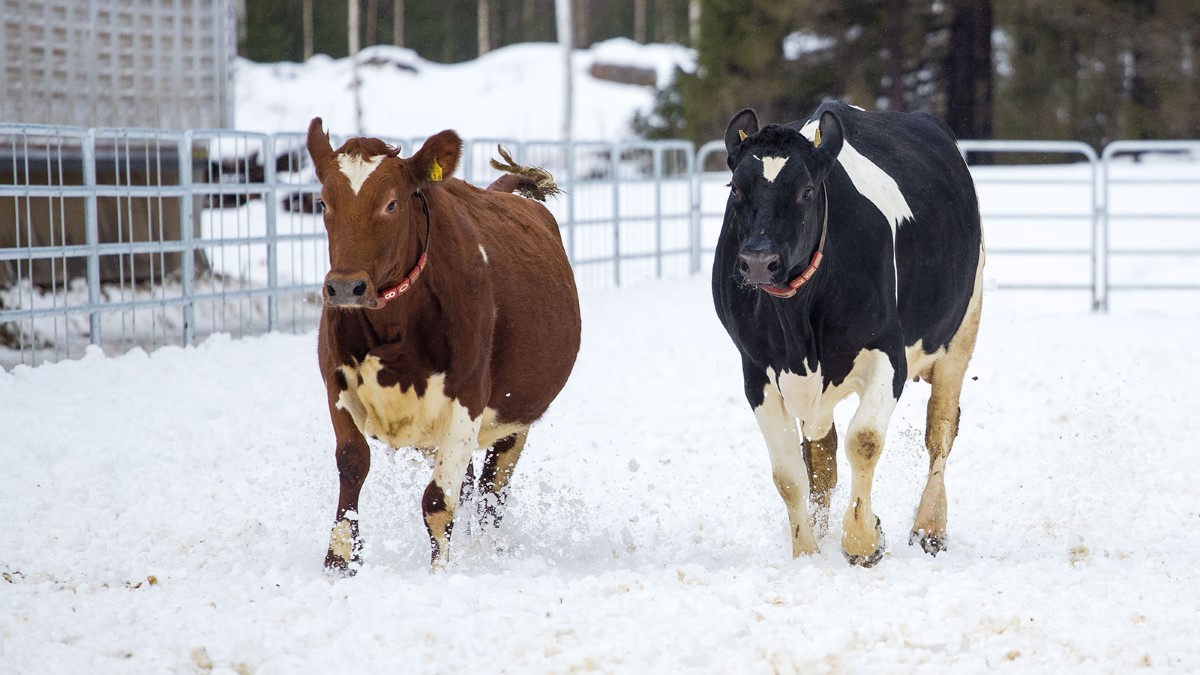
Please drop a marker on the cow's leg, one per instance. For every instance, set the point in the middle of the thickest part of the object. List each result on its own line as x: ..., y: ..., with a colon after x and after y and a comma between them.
x: 862, y: 536
x: 441, y: 499
x: 497, y: 471
x: 353, y: 463
x: 820, y: 458
x: 941, y: 427
x: 779, y: 430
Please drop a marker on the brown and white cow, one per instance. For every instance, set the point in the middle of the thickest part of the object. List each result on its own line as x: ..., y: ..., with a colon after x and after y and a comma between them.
x: 451, y: 321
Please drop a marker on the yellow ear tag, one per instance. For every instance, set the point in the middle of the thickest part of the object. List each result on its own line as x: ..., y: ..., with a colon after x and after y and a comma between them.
x: 741, y: 135
x: 435, y: 174
x: 817, y: 138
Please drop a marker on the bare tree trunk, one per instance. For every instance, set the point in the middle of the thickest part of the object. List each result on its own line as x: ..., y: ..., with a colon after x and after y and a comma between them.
x: 894, y: 39
x: 664, y: 27
x: 307, y: 21
x: 371, y: 35
x: 397, y: 22
x: 529, y: 21
x: 482, y: 28
x: 355, y: 83
x: 694, y: 23
x: 639, y: 21
x: 579, y: 23
x: 968, y: 69
x: 563, y: 21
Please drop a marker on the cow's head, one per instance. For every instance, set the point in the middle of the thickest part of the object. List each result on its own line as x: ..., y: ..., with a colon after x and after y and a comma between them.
x: 373, y: 210
x: 776, y: 201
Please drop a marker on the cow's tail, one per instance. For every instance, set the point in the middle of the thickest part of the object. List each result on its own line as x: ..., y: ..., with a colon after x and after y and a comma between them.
x: 527, y: 181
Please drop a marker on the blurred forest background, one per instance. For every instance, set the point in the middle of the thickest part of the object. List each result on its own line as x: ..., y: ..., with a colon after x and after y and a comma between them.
x: 1090, y: 70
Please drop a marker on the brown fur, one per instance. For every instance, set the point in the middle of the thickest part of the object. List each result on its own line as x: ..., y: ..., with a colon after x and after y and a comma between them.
x: 504, y: 332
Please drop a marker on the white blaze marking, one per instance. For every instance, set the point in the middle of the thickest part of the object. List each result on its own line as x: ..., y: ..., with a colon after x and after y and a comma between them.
x: 358, y: 169
x: 483, y: 252
x: 772, y: 166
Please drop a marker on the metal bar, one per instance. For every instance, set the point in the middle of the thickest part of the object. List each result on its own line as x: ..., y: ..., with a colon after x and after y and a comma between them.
x: 615, y: 169
x: 272, y: 202
x: 187, y: 223
x: 658, y: 179
x: 92, y: 237
x: 1156, y: 287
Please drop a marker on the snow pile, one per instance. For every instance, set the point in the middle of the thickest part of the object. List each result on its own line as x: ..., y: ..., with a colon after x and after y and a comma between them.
x: 514, y: 92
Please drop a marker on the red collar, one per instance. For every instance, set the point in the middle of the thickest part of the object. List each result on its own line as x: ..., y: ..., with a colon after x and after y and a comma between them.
x: 401, y: 288
x: 790, y: 289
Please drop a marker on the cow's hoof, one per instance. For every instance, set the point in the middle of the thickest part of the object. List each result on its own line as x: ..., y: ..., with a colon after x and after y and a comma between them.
x: 336, y: 566
x: 931, y: 544
x: 874, y: 557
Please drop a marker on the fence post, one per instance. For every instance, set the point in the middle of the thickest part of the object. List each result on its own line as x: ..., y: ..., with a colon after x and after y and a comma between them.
x: 696, y: 179
x: 658, y: 179
x: 615, y: 168
x: 1100, y: 239
x: 271, y: 197
x: 187, y: 261
x: 569, y: 151
x: 92, y: 236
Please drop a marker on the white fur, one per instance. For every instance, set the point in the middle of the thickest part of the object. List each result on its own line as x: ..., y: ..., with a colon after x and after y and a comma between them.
x: 870, y: 180
x: 358, y: 169
x: 874, y: 184
x: 483, y: 252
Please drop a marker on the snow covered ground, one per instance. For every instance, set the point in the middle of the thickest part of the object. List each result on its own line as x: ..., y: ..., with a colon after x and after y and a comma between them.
x: 169, y: 513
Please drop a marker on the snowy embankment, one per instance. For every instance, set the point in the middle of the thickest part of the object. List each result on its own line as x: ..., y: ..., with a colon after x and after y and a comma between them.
x: 169, y: 513
x: 514, y: 92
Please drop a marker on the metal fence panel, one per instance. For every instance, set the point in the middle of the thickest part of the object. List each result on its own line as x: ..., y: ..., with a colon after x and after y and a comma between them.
x: 142, y: 237
x: 1052, y: 246
x: 1151, y: 238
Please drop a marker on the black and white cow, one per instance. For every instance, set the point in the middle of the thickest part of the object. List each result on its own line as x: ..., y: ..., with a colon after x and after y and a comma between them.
x: 849, y: 261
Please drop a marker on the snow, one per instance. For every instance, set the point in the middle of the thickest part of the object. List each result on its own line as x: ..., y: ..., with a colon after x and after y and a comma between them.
x: 169, y: 511
x: 510, y: 93
x: 643, y: 532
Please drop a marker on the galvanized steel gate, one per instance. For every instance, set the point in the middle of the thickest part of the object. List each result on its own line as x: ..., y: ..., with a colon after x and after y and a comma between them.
x: 125, y: 238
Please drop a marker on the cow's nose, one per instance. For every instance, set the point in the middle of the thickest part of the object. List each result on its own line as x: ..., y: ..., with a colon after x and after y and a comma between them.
x: 758, y: 267
x: 345, y: 289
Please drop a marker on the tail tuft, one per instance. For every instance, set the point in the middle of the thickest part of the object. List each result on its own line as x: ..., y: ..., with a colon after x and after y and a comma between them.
x: 531, y: 181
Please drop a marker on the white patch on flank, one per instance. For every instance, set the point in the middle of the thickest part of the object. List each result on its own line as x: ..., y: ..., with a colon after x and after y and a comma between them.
x: 871, y: 181
x: 874, y: 184
x: 772, y: 166
x: 483, y: 252
x: 358, y: 169
x: 402, y: 419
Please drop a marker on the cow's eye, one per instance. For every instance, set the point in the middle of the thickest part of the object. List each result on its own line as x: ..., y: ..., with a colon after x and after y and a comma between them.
x: 734, y: 191
x: 807, y: 194
x: 391, y: 206
x: 321, y: 205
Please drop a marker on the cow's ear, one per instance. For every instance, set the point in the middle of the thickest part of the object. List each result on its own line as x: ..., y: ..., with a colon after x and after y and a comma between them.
x: 438, y: 158
x: 743, y: 125
x: 319, y: 147
x: 827, y: 143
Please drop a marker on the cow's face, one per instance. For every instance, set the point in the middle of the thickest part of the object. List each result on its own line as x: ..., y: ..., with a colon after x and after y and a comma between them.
x: 373, y: 212
x: 776, y: 196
